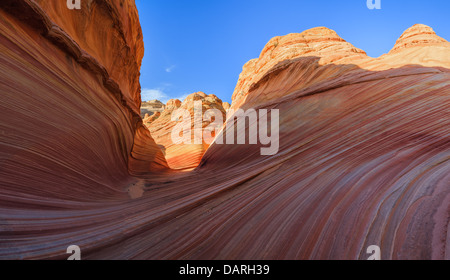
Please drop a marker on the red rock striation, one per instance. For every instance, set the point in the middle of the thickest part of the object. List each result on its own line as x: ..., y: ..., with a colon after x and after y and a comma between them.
x: 70, y: 101
x: 363, y: 159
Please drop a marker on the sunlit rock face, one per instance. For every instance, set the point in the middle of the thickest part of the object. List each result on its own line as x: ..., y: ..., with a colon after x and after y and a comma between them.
x: 151, y: 108
x: 107, y: 30
x: 300, y: 60
x: 363, y: 154
x: 226, y: 105
x: 321, y: 43
x: 183, y: 156
x: 419, y: 35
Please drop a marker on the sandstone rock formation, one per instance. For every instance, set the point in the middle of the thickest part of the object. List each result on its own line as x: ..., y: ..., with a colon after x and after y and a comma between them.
x: 149, y: 119
x: 151, y: 107
x: 419, y: 35
x: 319, y: 43
x: 226, y: 106
x: 182, y: 156
x: 70, y: 101
x: 363, y: 159
x: 296, y: 61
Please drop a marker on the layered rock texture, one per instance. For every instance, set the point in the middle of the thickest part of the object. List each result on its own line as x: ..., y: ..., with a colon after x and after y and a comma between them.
x: 182, y: 156
x: 299, y: 61
x: 363, y: 158
x: 151, y: 108
x: 70, y: 123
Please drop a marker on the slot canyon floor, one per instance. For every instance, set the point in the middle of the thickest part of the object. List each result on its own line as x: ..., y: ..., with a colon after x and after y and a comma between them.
x: 364, y: 150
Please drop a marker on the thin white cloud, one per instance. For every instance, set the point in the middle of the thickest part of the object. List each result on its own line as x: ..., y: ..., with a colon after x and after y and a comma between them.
x: 170, y: 68
x: 151, y: 94
x: 148, y: 94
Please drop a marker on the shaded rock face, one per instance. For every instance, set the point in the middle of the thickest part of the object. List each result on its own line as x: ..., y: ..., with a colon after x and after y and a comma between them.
x: 182, y: 156
x: 70, y: 101
x: 363, y: 159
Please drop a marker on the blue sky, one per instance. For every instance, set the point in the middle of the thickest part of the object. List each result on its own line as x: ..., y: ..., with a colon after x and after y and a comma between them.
x: 201, y: 45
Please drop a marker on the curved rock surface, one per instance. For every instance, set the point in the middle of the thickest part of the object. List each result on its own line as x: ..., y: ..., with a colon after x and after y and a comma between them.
x: 182, y: 156
x: 321, y: 43
x: 363, y: 159
x: 108, y: 31
x: 297, y: 61
x: 70, y: 118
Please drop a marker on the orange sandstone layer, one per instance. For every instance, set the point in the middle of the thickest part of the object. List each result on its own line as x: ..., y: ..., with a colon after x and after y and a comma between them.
x: 363, y: 159
x: 298, y: 61
x: 182, y: 156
